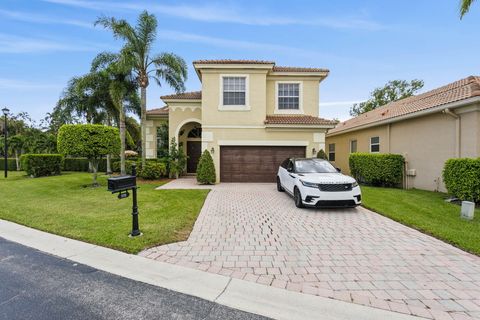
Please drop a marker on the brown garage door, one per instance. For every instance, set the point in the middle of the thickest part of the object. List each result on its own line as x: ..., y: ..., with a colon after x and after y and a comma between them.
x: 254, y: 163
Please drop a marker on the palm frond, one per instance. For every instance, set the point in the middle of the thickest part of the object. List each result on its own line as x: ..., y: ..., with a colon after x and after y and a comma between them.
x: 172, y: 69
x: 465, y: 7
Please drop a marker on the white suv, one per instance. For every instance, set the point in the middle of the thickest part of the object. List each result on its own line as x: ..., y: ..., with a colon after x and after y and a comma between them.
x: 316, y: 183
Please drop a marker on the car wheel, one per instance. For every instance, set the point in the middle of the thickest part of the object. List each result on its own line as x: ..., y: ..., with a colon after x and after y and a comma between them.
x: 297, y: 197
x: 279, y: 185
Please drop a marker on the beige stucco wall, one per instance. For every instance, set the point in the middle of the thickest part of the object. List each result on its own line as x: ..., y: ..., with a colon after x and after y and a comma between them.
x: 342, y: 144
x: 425, y: 142
x: 309, y: 93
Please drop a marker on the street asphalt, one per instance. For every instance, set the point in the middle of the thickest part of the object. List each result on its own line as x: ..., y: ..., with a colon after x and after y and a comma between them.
x: 35, y: 285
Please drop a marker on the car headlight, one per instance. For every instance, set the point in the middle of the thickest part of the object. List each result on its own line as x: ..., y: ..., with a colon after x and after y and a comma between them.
x: 355, y: 184
x: 309, y: 184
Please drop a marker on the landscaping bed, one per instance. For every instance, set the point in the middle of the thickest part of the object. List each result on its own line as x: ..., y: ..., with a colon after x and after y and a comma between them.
x: 63, y: 205
x: 428, y: 212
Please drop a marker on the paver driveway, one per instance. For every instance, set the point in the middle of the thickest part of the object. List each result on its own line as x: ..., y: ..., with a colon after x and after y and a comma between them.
x: 253, y: 232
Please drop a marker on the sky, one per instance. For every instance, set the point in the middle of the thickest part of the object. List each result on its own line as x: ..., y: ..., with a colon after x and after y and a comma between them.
x: 364, y: 44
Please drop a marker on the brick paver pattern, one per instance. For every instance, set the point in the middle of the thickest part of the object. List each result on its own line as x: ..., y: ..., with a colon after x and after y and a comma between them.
x: 252, y: 232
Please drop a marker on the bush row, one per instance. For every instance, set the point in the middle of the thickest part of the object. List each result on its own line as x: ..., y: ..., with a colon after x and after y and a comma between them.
x: 12, y: 164
x: 40, y: 165
x: 377, y: 169
x: 154, y: 168
x: 81, y: 164
x: 462, y: 178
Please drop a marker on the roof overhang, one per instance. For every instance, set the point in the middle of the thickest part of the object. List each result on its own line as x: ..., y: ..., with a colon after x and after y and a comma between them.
x: 205, y: 66
x: 300, y: 126
x: 316, y: 74
x: 451, y: 105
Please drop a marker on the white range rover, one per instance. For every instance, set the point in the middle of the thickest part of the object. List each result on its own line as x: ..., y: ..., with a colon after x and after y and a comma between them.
x: 316, y: 183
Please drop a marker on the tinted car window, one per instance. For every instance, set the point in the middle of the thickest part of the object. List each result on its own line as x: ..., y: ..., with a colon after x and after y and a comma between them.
x: 285, y: 163
x: 290, y: 166
x: 314, y: 166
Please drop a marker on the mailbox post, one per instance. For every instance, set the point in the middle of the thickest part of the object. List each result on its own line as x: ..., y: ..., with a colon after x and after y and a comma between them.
x: 122, y: 185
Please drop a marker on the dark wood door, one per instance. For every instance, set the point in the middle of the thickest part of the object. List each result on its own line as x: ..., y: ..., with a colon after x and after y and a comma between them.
x: 254, y: 163
x: 194, y: 150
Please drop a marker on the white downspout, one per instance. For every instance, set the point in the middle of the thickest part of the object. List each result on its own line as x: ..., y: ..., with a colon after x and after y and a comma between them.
x: 457, y: 130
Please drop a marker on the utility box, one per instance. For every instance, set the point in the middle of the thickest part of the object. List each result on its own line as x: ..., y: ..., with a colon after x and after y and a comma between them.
x: 411, y: 172
x: 468, y: 209
x: 117, y: 184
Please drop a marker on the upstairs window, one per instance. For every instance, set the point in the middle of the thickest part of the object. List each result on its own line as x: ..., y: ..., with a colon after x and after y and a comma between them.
x: 331, y: 152
x: 234, y: 91
x: 288, y: 96
x: 374, y: 144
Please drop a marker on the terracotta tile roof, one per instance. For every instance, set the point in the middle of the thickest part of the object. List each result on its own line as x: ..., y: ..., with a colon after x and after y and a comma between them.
x: 193, y: 95
x: 298, y: 69
x: 455, y: 91
x: 158, y: 111
x: 232, y: 61
x: 298, y: 119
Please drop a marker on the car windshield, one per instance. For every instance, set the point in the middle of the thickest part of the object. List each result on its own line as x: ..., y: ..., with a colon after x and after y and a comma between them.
x: 314, y: 166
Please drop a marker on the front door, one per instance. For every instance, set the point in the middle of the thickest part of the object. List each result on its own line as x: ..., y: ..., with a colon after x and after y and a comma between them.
x: 194, y: 150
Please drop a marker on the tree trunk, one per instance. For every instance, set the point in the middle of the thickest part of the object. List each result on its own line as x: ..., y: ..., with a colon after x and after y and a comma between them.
x: 17, y: 160
x: 109, y: 166
x: 122, y: 139
x: 143, y: 103
x: 94, y: 163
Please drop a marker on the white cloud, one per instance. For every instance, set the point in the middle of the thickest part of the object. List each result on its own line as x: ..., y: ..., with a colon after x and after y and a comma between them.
x: 15, y: 84
x: 226, y: 14
x: 35, y: 18
x: 229, y: 43
x: 18, y: 44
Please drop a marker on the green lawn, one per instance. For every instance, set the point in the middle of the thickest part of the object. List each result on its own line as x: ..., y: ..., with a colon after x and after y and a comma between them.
x: 64, y: 206
x: 428, y: 212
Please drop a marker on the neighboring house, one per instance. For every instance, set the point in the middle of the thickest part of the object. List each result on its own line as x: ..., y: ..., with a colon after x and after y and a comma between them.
x: 250, y: 115
x: 427, y: 129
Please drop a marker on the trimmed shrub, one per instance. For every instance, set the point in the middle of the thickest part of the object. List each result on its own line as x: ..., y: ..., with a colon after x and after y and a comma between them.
x: 152, y: 170
x: 321, y: 154
x: 377, y: 169
x: 40, y: 165
x: 206, y: 169
x: 81, y: 164
x: 462, y: 178
x: 11, y: 162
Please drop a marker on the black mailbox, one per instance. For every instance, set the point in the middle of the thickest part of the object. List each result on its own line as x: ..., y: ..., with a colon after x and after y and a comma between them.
x: 118, y: 184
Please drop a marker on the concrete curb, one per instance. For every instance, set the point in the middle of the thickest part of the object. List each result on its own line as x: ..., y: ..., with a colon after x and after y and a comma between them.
x: 243, y: 295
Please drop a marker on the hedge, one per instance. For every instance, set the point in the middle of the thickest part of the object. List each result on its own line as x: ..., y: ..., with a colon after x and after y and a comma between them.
x: 162, y: 169
x: 377, y: 169
x: 462, y: 178
x: 81, y: 164
x: 11, y: 162
x: 152, y: 170
x: 40, y: 165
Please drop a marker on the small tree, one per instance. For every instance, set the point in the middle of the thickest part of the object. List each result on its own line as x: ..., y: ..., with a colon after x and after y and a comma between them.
x: 91, y: 141
x: 321, y: 154
x: 176, y: 159
x: 206, y: 169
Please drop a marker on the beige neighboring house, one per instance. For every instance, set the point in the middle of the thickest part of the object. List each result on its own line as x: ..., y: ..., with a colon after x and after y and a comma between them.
x: 427, y: 129
x: 250, y: 115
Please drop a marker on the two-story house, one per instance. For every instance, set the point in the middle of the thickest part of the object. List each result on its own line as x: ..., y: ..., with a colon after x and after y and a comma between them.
x: 250, y: 115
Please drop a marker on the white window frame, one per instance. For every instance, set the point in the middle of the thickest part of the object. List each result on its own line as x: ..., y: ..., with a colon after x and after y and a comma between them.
x: 246, y: 106
x: 375, y: 144
x: 351, y: 145
x: 300, y: 99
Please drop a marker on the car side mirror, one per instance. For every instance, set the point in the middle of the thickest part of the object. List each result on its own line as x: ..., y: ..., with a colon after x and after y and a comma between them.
x: 338, y: 169
x: 290, y: 169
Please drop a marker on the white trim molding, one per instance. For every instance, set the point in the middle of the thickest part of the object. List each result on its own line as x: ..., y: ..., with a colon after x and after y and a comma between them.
x: 292, y: 143
x: 183, y: 108
x: 300, y: 98
x: 181, y: 124
x: 246, y: 106
x: 232, y: 127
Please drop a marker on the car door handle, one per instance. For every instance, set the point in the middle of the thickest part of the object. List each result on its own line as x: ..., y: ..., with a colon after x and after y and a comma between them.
x: 291, y: 175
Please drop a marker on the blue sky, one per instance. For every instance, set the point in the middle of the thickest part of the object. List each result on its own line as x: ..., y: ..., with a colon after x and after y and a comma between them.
x: 363, y: 43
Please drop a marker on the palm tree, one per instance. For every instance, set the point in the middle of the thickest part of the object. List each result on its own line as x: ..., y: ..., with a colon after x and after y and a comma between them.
x: 139, y: 40
x: 121, y: 90
x: 465, y: 7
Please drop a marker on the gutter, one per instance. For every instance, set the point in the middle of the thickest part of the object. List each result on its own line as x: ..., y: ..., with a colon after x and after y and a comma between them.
x: 451, y: 105
x: 449, y: 112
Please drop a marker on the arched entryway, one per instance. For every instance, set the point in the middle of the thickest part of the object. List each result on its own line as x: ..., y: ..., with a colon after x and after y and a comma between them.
x: 190, y: 139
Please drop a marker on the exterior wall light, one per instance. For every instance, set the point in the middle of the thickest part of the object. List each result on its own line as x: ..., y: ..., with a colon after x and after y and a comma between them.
x: 212, y: 150
x: 314, y: 151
